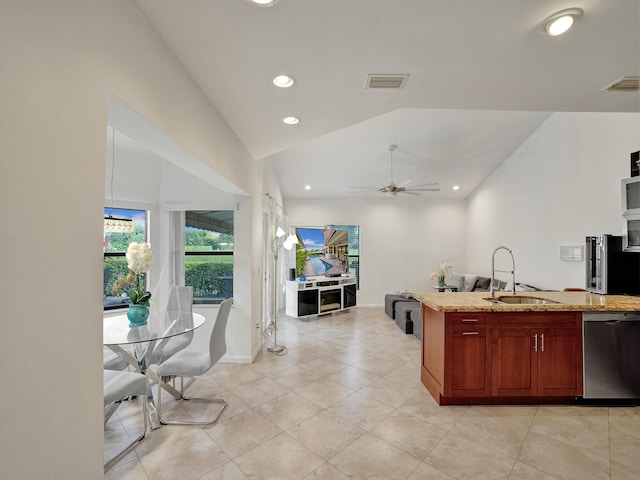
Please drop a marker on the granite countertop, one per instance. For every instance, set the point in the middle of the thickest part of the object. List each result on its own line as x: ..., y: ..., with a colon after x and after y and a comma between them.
x: 567, y: 302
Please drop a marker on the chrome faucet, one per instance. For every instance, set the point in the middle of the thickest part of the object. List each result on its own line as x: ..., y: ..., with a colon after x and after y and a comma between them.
x: 512, y: 271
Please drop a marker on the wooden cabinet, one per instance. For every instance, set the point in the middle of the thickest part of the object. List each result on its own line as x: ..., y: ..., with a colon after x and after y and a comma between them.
x: 537, y: 354
x: 513, y: 369
x: 559, y: 362
x: 502, y: 357
x: 536, y: 362
x: 468, y: 362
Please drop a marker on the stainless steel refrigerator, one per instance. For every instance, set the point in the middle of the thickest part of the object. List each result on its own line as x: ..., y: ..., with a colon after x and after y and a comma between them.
x: 609, y: 269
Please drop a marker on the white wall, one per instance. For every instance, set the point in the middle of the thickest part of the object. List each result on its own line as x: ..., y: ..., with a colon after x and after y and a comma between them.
x: 402, y: 241
x: 561, y: 185
x: 61, y: 61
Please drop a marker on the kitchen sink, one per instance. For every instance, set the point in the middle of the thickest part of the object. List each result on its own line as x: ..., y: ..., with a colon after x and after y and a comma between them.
x: 520, y: 300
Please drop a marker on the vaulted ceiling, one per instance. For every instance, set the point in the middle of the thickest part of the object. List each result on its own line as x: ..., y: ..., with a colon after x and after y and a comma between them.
x: 481, y: 80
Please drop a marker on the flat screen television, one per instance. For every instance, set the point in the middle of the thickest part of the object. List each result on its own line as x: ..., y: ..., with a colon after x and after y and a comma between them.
x: 322, y: 251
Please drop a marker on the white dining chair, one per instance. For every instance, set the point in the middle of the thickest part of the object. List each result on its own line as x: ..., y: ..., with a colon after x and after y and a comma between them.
x: 113, y: 361
x: 180, y: 300
x: 118, y: 386
x: 194, y: 364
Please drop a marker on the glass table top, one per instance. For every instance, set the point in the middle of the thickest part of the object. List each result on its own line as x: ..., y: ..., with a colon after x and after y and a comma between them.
x: 116, y: 329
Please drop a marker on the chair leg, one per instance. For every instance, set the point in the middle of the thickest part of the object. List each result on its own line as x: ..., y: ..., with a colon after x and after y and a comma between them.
x: 164, y: 421
x: 110, y: 410
x: 126, y: 449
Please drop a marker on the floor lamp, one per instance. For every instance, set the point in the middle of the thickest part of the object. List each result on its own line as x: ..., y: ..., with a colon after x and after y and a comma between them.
x: 288, y: 244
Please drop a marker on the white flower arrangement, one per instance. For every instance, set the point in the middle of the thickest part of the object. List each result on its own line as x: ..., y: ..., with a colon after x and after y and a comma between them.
x: 139, y: 257
x: 442, y: 271
x: 139, y: 261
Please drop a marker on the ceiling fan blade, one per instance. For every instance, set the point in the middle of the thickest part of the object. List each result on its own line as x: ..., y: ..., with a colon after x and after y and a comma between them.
x: 393, y: 188
x: 424, y: 184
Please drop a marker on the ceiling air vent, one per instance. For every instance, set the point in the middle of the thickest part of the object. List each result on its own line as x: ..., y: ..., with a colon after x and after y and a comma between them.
x: 624, y: 84
x: 386, y: 80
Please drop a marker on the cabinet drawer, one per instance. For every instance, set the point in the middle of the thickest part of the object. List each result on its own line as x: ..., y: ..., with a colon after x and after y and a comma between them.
x: 535, y: 319
x: 464, y: 320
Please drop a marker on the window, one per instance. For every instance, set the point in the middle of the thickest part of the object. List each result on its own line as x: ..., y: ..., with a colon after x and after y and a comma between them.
x: 208, y: 255
x: 114, y: 248
x: 353, y: 249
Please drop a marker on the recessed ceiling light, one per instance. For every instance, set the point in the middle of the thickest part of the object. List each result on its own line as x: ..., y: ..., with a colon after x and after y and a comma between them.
x: 307, y: 187
x: 559, y: 22
x: 456, y: 187
x: 291, y: 120
x: 283, y: 81
x: 263, y: 3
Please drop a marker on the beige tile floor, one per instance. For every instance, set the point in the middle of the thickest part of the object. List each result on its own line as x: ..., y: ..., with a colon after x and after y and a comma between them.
x: 346, y: 402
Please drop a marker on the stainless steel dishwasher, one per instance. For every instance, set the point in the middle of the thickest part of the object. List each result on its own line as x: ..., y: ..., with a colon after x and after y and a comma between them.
x: 611, y: 350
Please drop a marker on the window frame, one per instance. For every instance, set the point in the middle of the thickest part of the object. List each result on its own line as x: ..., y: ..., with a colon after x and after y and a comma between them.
x: 147, y: 233
x: 208, y: 253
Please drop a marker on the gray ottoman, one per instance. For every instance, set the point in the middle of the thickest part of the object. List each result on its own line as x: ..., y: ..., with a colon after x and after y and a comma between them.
x: 402, y: 312
x: 390, y: 300
x: 416, y: 318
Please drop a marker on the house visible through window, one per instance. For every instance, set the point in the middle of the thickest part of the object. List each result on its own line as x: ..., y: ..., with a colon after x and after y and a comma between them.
x: 352, y: 249
x: 208, y: 249
x: 114, y: 248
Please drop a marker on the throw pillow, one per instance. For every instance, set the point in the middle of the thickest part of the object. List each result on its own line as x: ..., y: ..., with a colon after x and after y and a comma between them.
x: 482, y: 284
x: 469, y: 282
x: 456, y: 280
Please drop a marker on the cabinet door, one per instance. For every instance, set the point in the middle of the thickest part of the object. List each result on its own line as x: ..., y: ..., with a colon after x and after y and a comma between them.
x: 468, y: 363
x: 514, y: 368
x: 349, y: 295
x: 307, y: 302
x: 559, y: 362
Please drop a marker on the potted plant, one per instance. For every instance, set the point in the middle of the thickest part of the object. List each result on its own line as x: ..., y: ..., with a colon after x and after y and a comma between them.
x: 441, y: 273
x: 139, y: 261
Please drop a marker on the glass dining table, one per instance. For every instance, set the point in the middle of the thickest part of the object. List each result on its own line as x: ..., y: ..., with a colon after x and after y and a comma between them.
x: 135, y: 345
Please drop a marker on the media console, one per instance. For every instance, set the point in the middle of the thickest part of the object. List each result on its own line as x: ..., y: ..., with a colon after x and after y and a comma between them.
x: 320, y: 295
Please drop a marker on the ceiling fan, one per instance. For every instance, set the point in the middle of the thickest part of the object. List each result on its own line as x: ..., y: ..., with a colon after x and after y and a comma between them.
x: 392, y: 189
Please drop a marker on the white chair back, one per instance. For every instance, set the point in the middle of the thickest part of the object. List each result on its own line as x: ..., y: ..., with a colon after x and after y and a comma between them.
x: 180, y: 299
x: 218, y: 341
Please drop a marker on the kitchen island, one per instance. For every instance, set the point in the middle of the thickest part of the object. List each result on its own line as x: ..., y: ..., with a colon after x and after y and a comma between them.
x: 518, y: 348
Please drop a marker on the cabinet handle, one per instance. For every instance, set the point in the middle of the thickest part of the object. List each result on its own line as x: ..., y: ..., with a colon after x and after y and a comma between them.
x: 542, y: 342
x: 471, y: 333
x: 469, y: 320
x: 535, y: 342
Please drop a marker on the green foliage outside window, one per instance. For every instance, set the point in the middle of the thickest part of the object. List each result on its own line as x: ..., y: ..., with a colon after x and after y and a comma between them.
x: 208, y: 261
x: 118, y: 242
x: 209, y: 280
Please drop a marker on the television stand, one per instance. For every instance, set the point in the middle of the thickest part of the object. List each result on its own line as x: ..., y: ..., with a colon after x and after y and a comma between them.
x: 320, y: 295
